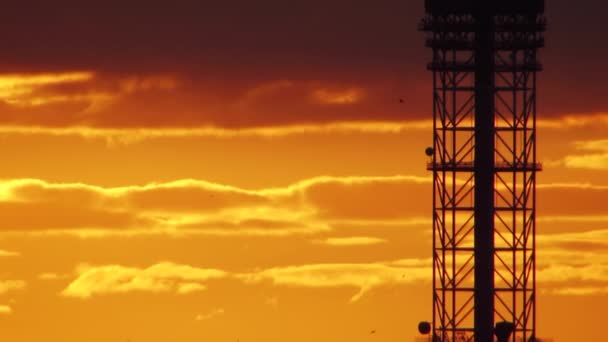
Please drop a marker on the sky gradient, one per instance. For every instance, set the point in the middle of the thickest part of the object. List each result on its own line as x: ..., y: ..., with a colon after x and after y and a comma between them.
x: 246, y: 171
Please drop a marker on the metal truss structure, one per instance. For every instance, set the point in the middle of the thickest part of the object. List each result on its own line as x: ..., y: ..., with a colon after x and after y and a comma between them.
x: 484, y: 165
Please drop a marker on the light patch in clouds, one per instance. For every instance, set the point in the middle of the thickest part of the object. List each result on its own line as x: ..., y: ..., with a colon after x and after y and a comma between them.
x: 12, y: 86
x: 187, y: 288
x: 598, y: 236
x: 575, y: 120
x: 52, y: 276
x: 593, y: 156
x: 338, y: 97
x: 5, y: 253
x: 89, y: 91
x: 351, y: 241
x: 11, y: 285
x: 587, y: 161
x: 573, y: 218
x: 209, y: 315
x: 579, y: 291
x: 5, y: 310
x: 27, y: 90
x: 572, y: 186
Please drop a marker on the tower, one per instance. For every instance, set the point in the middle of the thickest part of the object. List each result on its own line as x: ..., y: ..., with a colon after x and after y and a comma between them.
x: 484, y: 165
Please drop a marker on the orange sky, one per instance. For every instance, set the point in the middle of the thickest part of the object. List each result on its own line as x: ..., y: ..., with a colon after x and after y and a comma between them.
x: 167, y: 178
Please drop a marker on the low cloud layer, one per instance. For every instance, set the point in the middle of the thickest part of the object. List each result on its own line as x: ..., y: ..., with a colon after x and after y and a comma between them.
x: 565, y: 266
x: 178, y: 279
x: 307, y: 206
x: 311, y: 206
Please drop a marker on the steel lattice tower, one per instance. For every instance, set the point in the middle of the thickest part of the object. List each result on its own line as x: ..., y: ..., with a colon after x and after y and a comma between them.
x: 484, y: 165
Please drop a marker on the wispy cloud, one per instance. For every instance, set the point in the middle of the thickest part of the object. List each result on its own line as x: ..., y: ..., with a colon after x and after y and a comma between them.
x: 591, y: 155
x: 183, y: 279
x: 578, y: 291
x: 338, y: 96
x: 11, y: 285
x: 308, y: 207
x: 190, y: 206
x: 573, y: 263
x: 133, y: 135
x: 351, y: 241
x: 210, y: 315
x: 5, y: 253
x: 574, y: 121
x: 163, y: 277
x: 52, y: 276
x: 568, y: 264
x: 363, y: 277
x: 18, y: 88
x: 5, y: 310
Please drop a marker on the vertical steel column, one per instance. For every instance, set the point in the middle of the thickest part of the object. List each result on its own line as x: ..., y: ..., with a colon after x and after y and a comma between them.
x: 484, y: 171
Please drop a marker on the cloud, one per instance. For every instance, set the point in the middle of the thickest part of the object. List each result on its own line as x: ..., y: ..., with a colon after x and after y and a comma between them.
x: 364, y: 197
x: 159, y: 278
x: 593, y: 236
x: 338, y: 97
x: 363, y: 277
x: 11, y: 285
x: 52, y: 276
x: 72, y: 98
x: 81, y: 206
x: 17, y: 88
x: 311, y: 206
x: 187, y: 206
x: 575, y: 121
x: 310, y: 41
x: 187, y: 288
x: 170, y: 39
x: 591, y: 155
x: 132, y: 135
x: 17, y: 216
x: 573, y: 263
x: 126, y: 134
x: 105, y: 102
x: 173, y: 278
x: 588, y: 199
x: 579, y: 291
x: 351, y: 241
x: 597, y: 161
x: 209, y: 315
x: 5, y: 253
x: 5, y: 310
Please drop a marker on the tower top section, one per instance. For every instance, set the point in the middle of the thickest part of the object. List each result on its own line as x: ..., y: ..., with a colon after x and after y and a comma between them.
x: 461, y: 16
x: 442, y: 7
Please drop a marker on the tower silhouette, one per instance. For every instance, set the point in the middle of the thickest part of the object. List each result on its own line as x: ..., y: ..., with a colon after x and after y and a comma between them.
x: 484, y: 165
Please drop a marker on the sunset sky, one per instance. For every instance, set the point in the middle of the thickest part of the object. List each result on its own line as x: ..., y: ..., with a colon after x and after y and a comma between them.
x: 187, y: 171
